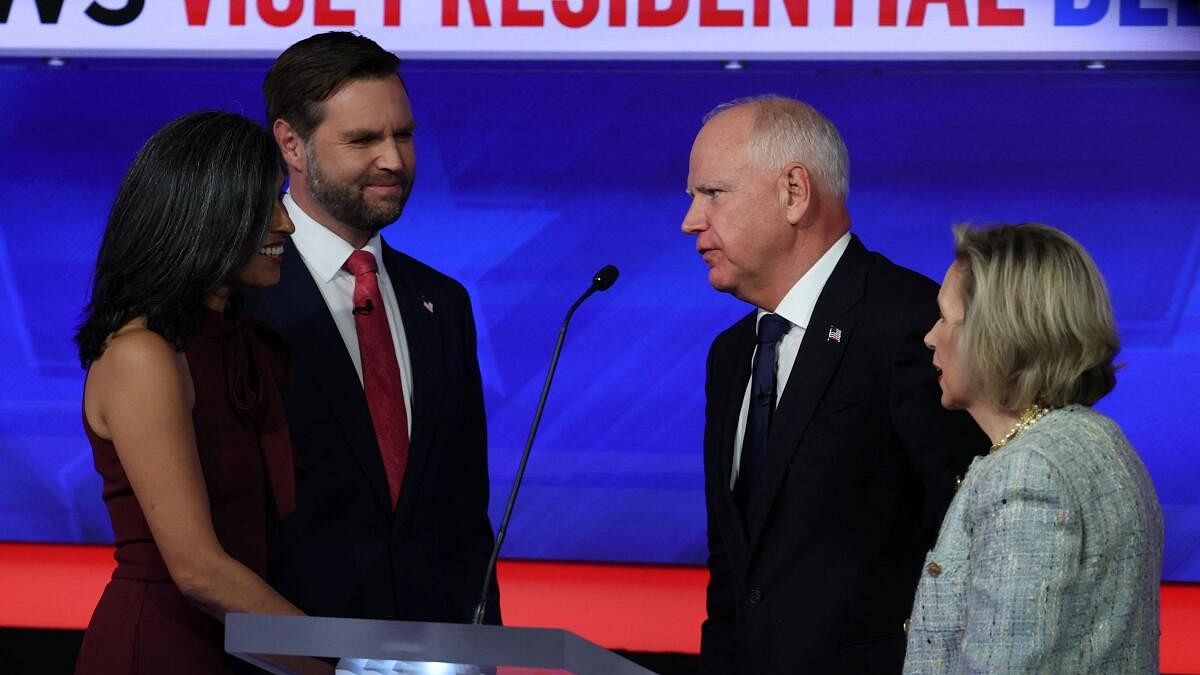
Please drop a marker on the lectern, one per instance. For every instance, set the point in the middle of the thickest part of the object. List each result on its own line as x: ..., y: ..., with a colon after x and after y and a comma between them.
x: 300, y: 645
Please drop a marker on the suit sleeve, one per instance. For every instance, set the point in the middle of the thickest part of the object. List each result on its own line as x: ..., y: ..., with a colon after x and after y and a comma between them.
x: 939, y: 444
x: 1025, y: 546
x: 717, y: 636
x: 477, y: 535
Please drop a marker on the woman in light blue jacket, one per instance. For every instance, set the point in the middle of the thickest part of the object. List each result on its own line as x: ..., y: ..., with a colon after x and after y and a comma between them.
x: 1049, y: 557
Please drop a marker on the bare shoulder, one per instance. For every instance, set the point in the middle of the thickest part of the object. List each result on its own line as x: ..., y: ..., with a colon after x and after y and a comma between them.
x: 137, y: 366
x: 136, y: 354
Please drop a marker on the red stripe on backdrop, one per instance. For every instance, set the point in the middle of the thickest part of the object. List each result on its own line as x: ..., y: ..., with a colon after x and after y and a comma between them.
x: 636, y: 607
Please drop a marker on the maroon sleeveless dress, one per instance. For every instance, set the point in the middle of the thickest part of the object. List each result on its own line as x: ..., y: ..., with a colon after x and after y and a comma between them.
x: 143, y: 624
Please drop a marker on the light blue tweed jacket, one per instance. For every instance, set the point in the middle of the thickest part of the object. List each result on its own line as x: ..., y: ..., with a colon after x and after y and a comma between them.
x: 1048, y: 560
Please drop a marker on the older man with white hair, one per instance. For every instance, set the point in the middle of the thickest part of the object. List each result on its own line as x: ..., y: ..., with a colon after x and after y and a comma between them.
x: 828, y: 460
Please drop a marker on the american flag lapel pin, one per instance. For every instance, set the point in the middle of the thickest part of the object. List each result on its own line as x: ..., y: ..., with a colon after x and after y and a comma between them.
x: 834, y: 335
x: 427, y: 305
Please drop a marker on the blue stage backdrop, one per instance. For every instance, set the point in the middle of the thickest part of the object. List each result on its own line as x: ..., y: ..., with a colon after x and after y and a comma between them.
x: 533, y: 175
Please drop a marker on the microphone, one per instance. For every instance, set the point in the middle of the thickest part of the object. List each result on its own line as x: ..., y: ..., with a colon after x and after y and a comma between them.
x: 601, y: 281
x: 367, y: 308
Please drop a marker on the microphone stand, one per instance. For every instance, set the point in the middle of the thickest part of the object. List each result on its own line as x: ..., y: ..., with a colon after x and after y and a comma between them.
x: 600, y: 282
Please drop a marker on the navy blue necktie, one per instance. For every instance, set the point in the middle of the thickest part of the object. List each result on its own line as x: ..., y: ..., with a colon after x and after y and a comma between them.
x: 771, y: 327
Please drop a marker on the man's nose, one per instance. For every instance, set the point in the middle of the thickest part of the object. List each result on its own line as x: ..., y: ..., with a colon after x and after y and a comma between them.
x: 391, y: 156
x: 694, y: 220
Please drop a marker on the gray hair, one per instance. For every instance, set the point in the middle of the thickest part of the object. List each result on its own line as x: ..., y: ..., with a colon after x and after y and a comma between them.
x: 1039, y: 325
x: 786, y: 130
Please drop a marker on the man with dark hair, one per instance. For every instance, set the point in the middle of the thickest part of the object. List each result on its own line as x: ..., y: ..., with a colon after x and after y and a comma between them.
x: 386, y: 406
x: 828, y: 459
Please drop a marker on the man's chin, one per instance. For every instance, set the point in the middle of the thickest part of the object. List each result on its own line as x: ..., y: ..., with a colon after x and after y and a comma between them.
x: 384, y: 219
x: 386, y: 210
x: 373, y: 220
x: 719, y: 282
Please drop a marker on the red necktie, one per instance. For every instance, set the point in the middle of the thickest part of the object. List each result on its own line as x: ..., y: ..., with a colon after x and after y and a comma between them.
x: 381, y: 371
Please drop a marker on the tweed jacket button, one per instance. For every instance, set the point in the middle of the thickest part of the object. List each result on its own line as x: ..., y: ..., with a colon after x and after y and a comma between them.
x: 907, y: 624
x: 755, y: 596
x: 934, y: 569
x: 957, y: 483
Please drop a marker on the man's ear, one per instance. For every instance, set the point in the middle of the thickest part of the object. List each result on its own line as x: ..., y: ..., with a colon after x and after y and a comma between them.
x: 291, y: 146
x: 796, y: 191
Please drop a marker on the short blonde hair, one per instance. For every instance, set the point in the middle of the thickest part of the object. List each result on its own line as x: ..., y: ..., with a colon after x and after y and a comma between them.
x: 1038, y: 325
x: 786, y: 130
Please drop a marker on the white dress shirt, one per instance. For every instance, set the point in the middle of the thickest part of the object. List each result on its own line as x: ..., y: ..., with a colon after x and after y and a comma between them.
x: 324, y: 254
x: 797, y: 307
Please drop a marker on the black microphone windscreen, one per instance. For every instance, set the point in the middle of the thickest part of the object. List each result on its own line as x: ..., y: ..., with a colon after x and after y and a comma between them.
x: 605, y: 278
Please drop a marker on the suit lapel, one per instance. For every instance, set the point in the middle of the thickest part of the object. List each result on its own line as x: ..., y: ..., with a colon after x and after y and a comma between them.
x: 425, y: 354
x: 816, y: 362
x: 312, y: 334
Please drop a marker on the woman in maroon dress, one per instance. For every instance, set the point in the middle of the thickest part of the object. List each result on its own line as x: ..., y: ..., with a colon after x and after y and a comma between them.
x: 181, y: 402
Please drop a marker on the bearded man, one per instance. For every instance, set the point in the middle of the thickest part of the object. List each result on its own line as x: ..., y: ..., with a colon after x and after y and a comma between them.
x: 386, y: 403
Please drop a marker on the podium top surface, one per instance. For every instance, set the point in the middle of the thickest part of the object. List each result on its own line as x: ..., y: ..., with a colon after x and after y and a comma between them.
x: 274, y: 642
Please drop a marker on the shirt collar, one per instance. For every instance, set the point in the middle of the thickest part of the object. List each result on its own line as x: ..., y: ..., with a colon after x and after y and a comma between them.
x: 797, y: 306
x: 323, y: 251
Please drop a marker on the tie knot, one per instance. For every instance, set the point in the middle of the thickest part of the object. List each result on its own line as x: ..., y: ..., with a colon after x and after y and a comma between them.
x: 772, y: 327
x: 361, y: 262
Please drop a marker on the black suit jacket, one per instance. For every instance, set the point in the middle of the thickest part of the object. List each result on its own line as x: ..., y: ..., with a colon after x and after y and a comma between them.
x: 861, y: 464
x: 344, y: 551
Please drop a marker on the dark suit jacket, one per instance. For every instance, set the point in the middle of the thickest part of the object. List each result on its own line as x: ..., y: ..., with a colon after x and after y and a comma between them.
x: 861, y: 464
x: 344, y: 552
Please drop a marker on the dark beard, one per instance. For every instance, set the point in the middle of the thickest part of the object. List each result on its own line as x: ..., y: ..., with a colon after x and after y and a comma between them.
x: 346, y: 203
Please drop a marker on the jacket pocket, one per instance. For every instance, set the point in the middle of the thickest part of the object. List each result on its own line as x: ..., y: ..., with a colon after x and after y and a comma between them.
x: 838, y: 417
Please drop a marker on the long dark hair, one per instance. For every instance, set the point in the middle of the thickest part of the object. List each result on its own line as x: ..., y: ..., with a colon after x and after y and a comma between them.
x: 189, y: 214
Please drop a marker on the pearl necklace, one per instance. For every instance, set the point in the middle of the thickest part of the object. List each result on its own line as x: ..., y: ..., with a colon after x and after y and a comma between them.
x: 1032, y: 414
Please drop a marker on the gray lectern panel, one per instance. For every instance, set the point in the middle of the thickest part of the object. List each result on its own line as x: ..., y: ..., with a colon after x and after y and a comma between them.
x: 294, y: 645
